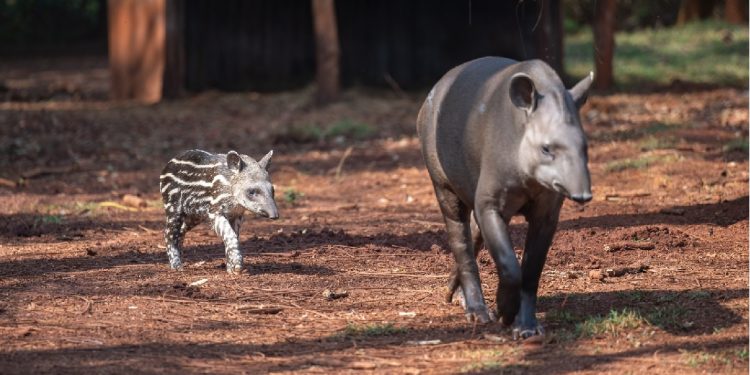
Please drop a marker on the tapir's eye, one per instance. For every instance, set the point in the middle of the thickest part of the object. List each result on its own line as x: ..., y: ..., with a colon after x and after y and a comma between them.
x: 253, y: 192
x: 546, y: 151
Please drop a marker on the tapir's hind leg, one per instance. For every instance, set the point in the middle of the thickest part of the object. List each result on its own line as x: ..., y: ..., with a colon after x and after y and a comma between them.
x: 453, y: 282
x: 458, y: 225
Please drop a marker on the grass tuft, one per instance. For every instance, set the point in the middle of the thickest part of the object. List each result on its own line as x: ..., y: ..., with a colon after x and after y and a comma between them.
x: 292, y: 195
x: 615, y: 323
x: 343, y: 129
x: 739, y: 144
x: 635, y: 163
x: 657, y: 143
x: 709, y: 52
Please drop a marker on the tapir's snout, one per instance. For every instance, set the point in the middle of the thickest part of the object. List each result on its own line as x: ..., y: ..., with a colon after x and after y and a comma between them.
x: 271, y: 213
x: 581, y: 198
x: 575, y: 181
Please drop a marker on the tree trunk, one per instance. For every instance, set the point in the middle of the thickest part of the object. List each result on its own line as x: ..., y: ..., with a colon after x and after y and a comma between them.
x: 691, y: 10
x: 173, y: 84
x: 735, y: 11
x: 604, y: 43
x: 136, y: 49
x: 326, y: 50
x: 549, y: 35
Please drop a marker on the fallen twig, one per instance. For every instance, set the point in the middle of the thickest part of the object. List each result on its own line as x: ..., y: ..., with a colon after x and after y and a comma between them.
x: 424, y: 342
x: 617, y: 272
x: 260, y: 309
x: 7, y: 183
x: 87, y: 308
x: 629, y: 245
x: 397, y: 274
x: 116, y: 205
x: 292, y: 254
x: 42, y: 171
x: 627, y: 194
x: 394, y: 85
x: 341, y: 162
x: 147, y: 230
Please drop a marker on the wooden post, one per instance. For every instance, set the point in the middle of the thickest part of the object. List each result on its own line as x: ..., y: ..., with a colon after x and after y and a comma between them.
x: 136, y: 49
x: 549, y: 35
x: 735, y: 11
x: 691, y: 10
x: 173, y: 84
x: 604, y: 43
x: 326, y: 50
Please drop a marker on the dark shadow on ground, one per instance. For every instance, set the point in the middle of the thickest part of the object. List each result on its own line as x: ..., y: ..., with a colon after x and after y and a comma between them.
x: 682, y: 313
x: 556, y: 358
x: 54, y: 228
x: 723, y: 214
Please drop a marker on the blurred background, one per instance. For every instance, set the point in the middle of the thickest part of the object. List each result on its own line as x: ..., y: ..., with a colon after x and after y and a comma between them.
x: 259, y: 73
x: 157, y: 49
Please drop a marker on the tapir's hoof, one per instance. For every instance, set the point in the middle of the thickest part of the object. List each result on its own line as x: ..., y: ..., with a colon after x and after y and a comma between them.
x: 235, y: 269
x: 481, y: 315
x: 177, y: 266
x: 520, y: 333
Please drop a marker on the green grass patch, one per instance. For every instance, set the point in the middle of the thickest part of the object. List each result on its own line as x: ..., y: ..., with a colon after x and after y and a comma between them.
x: 615, y: 323
x: 371, y: 330
x: 708, y: 52
x: 672, y: 316
x: 739, y: 144
x: 634, y: 163
x: 742, y: 354
x: 653, y: 130
x: 291, y: 196
x: 50, y: 219
x: 350, y: 129
x: 344, y: 129
x: 728, y: 357
x: 492, y: 366
x: 561, y: 317
x: 495, y: 361
x: 651, y: 143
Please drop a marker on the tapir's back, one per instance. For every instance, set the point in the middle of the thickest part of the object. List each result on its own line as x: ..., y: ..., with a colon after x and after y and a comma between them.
x: 451, y: 135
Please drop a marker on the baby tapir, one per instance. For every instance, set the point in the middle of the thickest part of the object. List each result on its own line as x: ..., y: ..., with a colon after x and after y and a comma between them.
x: 200, y: 186
x: 502, y: 137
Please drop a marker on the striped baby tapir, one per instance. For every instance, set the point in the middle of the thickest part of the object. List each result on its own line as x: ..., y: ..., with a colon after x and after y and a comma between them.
x: 199, y: 186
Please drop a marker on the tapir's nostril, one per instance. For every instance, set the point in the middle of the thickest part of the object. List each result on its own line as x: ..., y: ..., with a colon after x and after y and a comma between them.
x: 271, y: 214
x: 581, y: 198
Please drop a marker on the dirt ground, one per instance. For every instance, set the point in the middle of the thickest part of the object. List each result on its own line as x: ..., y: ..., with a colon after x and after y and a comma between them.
x: 651, y: 276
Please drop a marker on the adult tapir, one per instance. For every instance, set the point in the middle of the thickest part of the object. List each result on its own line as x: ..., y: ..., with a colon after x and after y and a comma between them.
x: 502, y: 137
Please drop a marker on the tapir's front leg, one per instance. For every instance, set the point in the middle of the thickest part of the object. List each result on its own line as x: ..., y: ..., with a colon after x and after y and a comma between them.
x: 497, y: 238
x: 542, y: 224
x: 225, y: 230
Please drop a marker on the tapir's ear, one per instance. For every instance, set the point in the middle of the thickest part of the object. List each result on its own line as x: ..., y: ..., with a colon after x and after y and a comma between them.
x: 580, y: 92
x: 234, y: 161
x: 265, y: 162
x: 522, y: 92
